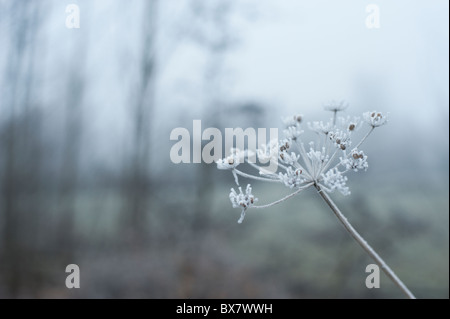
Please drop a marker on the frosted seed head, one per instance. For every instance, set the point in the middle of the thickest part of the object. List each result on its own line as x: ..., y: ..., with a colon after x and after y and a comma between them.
x: 357, y: 161
x: 289, y: 158
x: 291, y: 179
x: 334, y: 180
x: 375, y: 118
x: 293, y: 120
x: 340, y: 138
x: 242, y: 200
x: 312, y: 167
x: 335, y: 106
x: 320, y: 127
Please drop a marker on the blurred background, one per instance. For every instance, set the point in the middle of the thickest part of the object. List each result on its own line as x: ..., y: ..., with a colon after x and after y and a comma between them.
x: 85, y: 173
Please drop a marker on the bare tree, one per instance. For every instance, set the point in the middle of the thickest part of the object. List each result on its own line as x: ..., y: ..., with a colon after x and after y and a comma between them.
x: 138, y: 181
x: 20, y: 197
x: 215, y: 36
x: 69, y: 170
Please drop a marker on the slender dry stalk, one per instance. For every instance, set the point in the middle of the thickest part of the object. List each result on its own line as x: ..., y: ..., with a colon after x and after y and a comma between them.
x: 363, y: 243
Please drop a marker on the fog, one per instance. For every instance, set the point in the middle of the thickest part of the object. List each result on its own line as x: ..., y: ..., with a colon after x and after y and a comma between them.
x: 86, y: 177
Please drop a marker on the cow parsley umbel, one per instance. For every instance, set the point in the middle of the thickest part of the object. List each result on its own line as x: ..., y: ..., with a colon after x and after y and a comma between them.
x: 323, y: 163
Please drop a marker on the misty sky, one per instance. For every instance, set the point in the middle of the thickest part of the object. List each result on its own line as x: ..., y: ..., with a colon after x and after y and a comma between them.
x: 291, y: 56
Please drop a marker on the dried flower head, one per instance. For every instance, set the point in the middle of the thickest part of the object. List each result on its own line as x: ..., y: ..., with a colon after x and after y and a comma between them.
x: 242, y: 200
x: 375, y: 118
x: 356, y: 161
x: 335, y: 106
x: 321, y: 127
x: 292, y: 120
x: 324, y: 165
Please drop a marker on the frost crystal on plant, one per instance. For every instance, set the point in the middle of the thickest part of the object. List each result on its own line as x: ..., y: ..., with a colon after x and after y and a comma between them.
x: 320, y: 127
x: 229, y: 162
x: 292, y: 132
x: 340, y: 139
x: 375, y: 118
x: 242, y: 200
x: 334, y: 106
x: 324, y: 165
x: 292, y: 120
x: 356, y: 161
x: 351, y: 124
x: 334, y: 180
x: 268, y: 151
x: 292, y: 178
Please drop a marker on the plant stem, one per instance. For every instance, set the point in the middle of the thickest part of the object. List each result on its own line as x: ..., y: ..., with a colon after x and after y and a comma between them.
x: 365, y: 137
x: 372, y: 253
x: 284, y: 198
x: 265, y: 179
